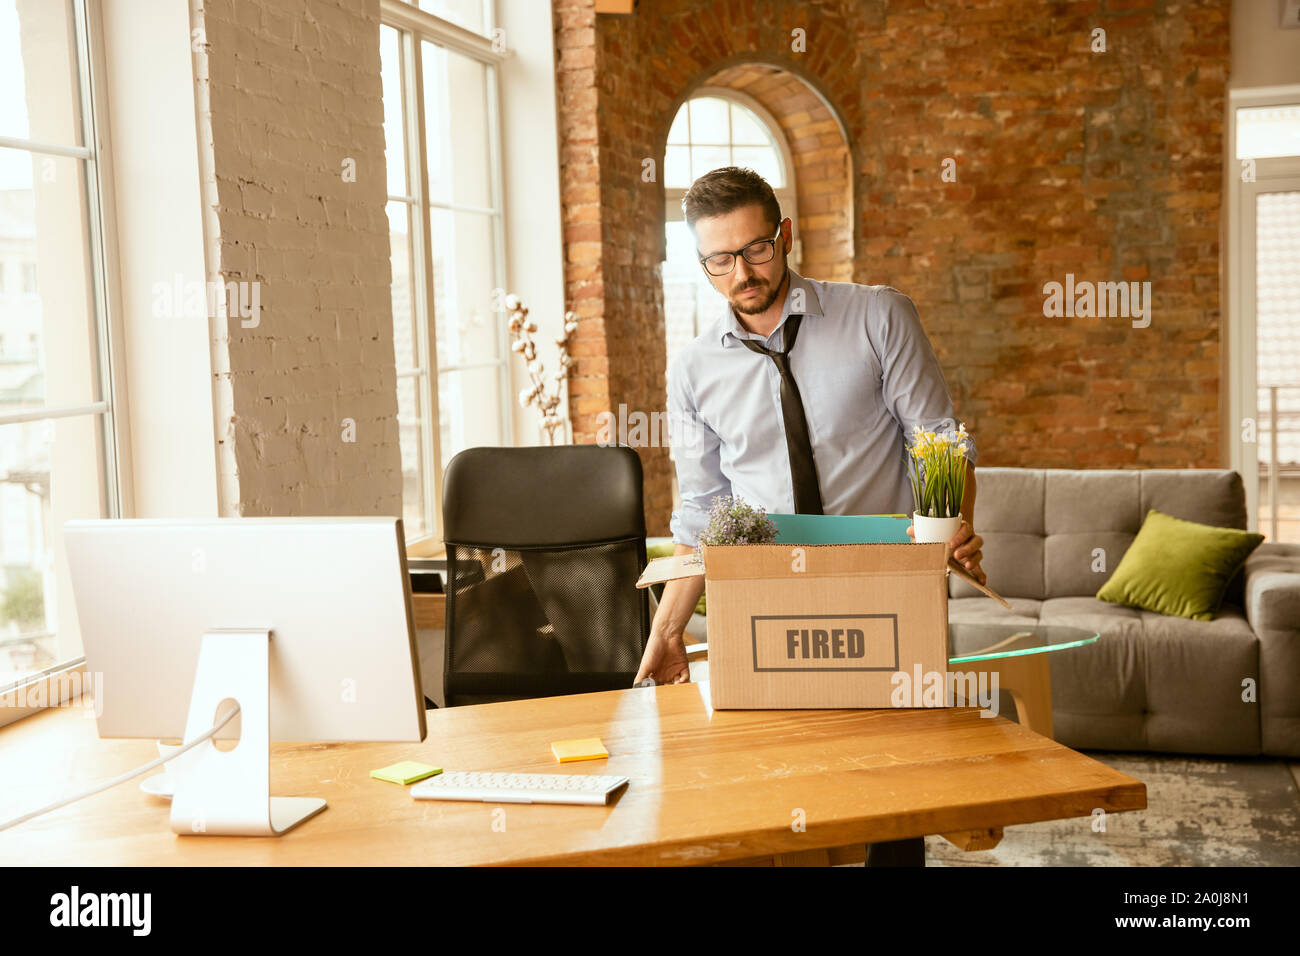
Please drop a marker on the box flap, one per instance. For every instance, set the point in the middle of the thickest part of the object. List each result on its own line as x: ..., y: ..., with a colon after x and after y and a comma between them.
x: 966, y: 576
x: 750, y: 561
x: 739, y: 562
x: 668, y: 568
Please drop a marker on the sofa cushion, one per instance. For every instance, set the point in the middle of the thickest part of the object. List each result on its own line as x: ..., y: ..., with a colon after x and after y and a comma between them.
x: 1095, y: 500
x: 980, y: 610
x: 1064, y: 519
x: 1077, y: 563
x: 1152, y: 682
x: 1194, y: 675
x: 1179, y: 567
x: 1099, y: 690
x: 1010, y: 521
x: 1204, y: 495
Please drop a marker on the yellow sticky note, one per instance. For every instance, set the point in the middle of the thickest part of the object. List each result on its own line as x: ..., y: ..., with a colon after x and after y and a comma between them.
x: 408, y: 771
x: 589, y: 748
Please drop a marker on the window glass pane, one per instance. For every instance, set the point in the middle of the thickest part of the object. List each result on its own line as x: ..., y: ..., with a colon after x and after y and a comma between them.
x: 689, y: 299
x: 47, y: 303
x: 677, y: 167
x: 471, y: 14
x: 1277, y: 311
x: 705, y: 158
x: 49, y: 474
x: 709, y: 120
x: 394, y: 132
x: 456, y: 128
x: 746, y: 128
x: 39, y: 96
x: 680, y: 131
x: 405, y: 338
x: 410, y: 431
x: 763, y: 160
x: 1266, y: 131
x: 463, y: 280
x: 469, y: 409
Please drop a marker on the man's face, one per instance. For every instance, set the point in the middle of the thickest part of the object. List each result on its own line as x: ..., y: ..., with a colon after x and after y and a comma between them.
x: 751, y: 289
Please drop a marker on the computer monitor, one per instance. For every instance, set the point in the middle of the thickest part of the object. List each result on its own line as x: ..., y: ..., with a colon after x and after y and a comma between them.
x: 305, y: 622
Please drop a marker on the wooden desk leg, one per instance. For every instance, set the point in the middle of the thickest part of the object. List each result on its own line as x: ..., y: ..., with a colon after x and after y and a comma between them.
x: 840, y: 855
x: 1029, y: 681
x: 797, y: 858
x: 803, y: 858
x: 985, y: 839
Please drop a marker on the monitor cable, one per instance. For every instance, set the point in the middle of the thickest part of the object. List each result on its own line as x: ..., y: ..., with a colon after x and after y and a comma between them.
x: 129, y: 775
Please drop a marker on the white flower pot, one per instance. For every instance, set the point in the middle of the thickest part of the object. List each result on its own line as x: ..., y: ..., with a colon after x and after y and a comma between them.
x: 928, y: 530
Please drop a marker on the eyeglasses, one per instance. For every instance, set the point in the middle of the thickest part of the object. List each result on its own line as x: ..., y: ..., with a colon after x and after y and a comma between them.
x: 756, y: 253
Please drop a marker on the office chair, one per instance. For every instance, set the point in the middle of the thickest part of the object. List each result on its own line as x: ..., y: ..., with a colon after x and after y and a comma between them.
x: 544, y: 547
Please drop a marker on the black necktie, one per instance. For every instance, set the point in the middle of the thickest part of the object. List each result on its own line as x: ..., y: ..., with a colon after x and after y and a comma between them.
x: 803, y: 473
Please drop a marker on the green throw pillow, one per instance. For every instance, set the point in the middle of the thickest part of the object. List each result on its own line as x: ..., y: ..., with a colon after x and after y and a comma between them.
x: 663, y: 551
x: 1179, y: 567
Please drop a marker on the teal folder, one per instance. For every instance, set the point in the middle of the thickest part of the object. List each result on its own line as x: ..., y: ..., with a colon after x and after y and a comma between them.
x: 841, y: 529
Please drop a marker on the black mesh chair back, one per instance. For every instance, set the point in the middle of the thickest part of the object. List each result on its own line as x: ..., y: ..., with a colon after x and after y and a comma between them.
x: 544, y: 547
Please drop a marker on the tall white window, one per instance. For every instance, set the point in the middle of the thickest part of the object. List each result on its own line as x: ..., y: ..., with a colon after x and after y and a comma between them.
x: 715, y: 127
x: 442, y: 128
x: 1264, y: 327
x: 57, y: 451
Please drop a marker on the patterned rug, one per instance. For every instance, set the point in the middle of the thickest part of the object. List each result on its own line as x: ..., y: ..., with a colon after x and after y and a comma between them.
x: 1200, y: 812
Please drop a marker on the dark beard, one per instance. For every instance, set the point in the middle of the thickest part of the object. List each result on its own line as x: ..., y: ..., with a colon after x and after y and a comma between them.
x: 761, y: 304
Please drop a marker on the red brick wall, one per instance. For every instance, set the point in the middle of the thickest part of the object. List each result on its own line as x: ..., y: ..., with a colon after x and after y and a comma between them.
x: 822, y: 165
x: 1107, y: 166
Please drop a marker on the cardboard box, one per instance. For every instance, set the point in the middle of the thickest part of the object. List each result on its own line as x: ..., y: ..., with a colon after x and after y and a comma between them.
x: 820, y: 626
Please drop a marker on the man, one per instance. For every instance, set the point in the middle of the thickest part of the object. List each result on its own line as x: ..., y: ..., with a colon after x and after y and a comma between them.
x: 798, y: 398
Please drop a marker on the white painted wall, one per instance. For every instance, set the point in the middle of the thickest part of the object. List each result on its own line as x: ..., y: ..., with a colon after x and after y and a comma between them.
x: 1263, y: 54
x: 531, y: 170
x: 165, y: 360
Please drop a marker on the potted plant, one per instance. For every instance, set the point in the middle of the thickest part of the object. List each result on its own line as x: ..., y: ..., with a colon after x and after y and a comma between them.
x: 936, y: 464
x: 734, y: 521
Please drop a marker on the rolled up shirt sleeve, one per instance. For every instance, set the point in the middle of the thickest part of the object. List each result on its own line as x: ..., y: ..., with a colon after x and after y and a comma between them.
x: 697, y: 455
x: 913, y: 386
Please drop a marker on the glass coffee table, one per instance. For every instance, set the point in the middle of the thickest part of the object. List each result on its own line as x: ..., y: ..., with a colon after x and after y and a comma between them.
x: 1017, y: 654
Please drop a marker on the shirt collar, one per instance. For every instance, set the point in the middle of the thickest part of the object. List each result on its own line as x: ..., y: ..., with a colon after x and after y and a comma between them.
x: 733, y: 330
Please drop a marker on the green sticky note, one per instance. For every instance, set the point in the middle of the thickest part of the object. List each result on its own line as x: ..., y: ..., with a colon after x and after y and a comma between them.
x: 408, y: 771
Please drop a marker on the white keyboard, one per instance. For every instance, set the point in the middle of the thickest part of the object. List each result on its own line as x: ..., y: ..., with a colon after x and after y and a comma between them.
x: 519, y: 787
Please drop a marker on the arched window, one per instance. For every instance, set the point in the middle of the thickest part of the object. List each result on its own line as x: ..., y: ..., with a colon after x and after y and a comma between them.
x: 715, y: 127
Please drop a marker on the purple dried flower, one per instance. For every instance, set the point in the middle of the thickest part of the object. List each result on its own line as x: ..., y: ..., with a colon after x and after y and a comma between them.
x: 733, y: 521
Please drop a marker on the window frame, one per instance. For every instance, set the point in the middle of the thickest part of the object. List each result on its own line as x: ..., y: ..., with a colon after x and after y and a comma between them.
x: 56, y: 683
x: 414, y: 27
x: 1239, y: 364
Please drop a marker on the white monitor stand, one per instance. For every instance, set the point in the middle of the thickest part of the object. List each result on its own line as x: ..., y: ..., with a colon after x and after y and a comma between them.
x: 316, y: 643
x: 228, y: 793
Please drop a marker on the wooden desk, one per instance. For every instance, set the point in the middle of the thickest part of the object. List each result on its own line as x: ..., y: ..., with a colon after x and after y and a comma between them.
x: 706, y: 787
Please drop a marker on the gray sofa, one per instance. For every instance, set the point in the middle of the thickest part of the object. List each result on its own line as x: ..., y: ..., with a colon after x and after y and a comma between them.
x: 1152, y: 682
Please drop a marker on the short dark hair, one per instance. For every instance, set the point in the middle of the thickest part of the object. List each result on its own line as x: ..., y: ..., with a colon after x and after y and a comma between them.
x: 719, y: 191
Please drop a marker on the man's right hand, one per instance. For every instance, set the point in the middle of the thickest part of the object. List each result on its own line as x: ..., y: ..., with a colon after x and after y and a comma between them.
x: 664, y: 660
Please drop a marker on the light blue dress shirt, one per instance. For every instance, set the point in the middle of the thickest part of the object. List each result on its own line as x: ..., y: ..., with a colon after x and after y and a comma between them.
x: 866, y: 374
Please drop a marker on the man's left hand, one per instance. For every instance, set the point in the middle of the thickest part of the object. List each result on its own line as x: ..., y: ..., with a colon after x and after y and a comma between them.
x: 966, y: 545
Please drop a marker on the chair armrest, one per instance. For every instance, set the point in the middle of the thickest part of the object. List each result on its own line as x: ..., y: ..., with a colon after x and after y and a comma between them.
x: 1273, y: 589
